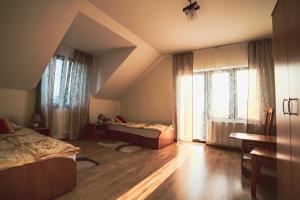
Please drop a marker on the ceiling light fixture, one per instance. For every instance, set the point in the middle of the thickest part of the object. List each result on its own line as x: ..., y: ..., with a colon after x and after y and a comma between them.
x: 191, y: 10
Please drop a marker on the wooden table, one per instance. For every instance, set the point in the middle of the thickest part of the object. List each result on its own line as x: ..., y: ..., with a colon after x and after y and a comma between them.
x: 266, y: 140
x: 96, y: 131
x: 254, y: 137
x: 259, y: 156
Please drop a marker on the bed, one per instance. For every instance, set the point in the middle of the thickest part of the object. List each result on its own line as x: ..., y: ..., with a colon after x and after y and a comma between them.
x: 33, y: 166
x: 149, y: 135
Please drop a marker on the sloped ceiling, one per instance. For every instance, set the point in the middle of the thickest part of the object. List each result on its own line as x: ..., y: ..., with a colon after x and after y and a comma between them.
x: 32, y: 30
x: 163, y: 25
x: 104, y: 67
x: 88, y: 36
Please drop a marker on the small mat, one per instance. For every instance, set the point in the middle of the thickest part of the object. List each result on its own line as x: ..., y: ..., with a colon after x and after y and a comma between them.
x: 130, y: 149
x: 84, y: 165
x: 120, y: 146
x: 113, y: 144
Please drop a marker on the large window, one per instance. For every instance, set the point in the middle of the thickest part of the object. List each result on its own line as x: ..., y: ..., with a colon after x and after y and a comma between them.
x: 221, y: 95
x: 225, y: 91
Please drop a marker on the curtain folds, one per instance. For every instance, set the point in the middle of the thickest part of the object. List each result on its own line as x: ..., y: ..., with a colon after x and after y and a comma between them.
x: 65, y: 92
x: 261, y: 89
x: 231, y: 84
x: 183, y: 99
x: 222, y: 57
x: 80, y: 93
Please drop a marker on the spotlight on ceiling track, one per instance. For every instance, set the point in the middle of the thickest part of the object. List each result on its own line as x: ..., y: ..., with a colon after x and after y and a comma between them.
x: 191, y: 10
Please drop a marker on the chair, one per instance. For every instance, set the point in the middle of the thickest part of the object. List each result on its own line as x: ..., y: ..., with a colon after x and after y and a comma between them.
x: 261, y: 157
x: 248, y: 146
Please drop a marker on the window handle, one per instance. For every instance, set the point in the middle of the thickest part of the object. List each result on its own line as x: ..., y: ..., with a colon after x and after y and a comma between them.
x: 293, y: 106
x: 283, y: 106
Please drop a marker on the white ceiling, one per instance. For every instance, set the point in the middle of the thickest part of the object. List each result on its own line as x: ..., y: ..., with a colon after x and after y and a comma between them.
x: 92, y: 37
x: 163, y: 25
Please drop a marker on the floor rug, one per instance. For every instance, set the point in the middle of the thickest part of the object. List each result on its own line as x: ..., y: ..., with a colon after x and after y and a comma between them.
x: 130, y: 148
x: 84, y: 165
x: 120, y: 146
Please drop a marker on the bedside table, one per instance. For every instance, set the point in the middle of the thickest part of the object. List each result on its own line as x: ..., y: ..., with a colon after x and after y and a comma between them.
x: 42, y: 130
x: 96, y: 131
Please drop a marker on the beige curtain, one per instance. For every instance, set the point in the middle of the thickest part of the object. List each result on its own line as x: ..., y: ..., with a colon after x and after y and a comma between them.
x: 223, y: 57
x: 80, y: 89
x: 261, y: 89
x: 183, y: 95
x: 65, y: 93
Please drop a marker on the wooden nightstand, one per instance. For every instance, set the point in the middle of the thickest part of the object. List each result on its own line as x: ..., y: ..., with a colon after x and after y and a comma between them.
x: 96, y: 131
x: 43, y: 130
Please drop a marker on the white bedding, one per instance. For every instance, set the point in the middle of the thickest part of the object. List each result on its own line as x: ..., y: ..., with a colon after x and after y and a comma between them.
x: 142, y: 132
x: 27, y: 146
x: 145, y: 130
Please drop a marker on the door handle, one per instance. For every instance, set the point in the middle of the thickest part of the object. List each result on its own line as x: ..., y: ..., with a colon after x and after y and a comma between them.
x: 290, y: 102
x: 283, y: 106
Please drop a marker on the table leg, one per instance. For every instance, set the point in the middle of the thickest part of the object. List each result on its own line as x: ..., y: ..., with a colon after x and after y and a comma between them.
x: 242, y: 152
x: 254, y: 175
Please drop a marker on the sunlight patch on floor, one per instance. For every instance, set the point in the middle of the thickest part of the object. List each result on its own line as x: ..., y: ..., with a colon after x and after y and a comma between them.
x: 148, y: 185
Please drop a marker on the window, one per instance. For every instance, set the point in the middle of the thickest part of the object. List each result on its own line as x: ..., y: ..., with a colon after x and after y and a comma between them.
x: 57, y: 81
x: 226, y: 93
x: 241, y: 93
x: 220, y: 94
x: 62, y: 82
x: 198, y: 106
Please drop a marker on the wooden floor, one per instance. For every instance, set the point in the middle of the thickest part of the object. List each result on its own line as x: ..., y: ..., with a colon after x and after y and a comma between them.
x: 180, y: 171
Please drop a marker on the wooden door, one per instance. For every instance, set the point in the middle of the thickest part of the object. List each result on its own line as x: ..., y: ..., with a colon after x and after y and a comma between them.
x: 282, y: 92
x: 293, y: 37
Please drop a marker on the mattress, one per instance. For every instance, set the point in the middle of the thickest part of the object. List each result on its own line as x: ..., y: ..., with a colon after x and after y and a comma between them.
x: 27, y: 146
x: 141, y: 129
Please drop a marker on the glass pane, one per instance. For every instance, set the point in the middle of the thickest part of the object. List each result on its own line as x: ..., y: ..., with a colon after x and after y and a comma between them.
x: 198, y: 107
x: 67, y: 83
x: 185, y: 108
x: 57, y: 81
x: 254, y: 96
x: 220, y: 95
x: 242, y: 93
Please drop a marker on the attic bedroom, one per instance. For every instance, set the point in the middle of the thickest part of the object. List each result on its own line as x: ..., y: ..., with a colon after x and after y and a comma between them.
x: 173, y: 99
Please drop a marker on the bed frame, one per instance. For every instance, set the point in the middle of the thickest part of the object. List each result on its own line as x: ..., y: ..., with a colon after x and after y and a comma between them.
x: 45, y: 179
x: 165, y: 138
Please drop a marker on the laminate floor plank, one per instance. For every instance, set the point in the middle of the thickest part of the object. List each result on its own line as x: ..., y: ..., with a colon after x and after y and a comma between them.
x: 180, y: 171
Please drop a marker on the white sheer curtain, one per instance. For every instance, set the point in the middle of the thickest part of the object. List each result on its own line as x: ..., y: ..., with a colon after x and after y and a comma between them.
x: 65, y: 93
x: 219, y: 85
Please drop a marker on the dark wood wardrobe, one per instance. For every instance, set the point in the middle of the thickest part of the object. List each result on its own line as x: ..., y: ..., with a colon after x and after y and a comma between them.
x: 286, y: 49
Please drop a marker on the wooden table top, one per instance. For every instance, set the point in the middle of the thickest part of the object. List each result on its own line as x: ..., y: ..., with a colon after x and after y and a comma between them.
x: 253, y: 137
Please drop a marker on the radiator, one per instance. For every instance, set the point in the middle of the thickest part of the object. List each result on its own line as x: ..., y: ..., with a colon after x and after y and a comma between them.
x: 218, y: 133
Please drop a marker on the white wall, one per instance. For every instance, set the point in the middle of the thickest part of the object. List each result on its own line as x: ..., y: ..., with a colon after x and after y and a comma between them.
x: 103, y: 106
x: 150, y: 100
x: 17, y: 105
x: 105, y: 65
